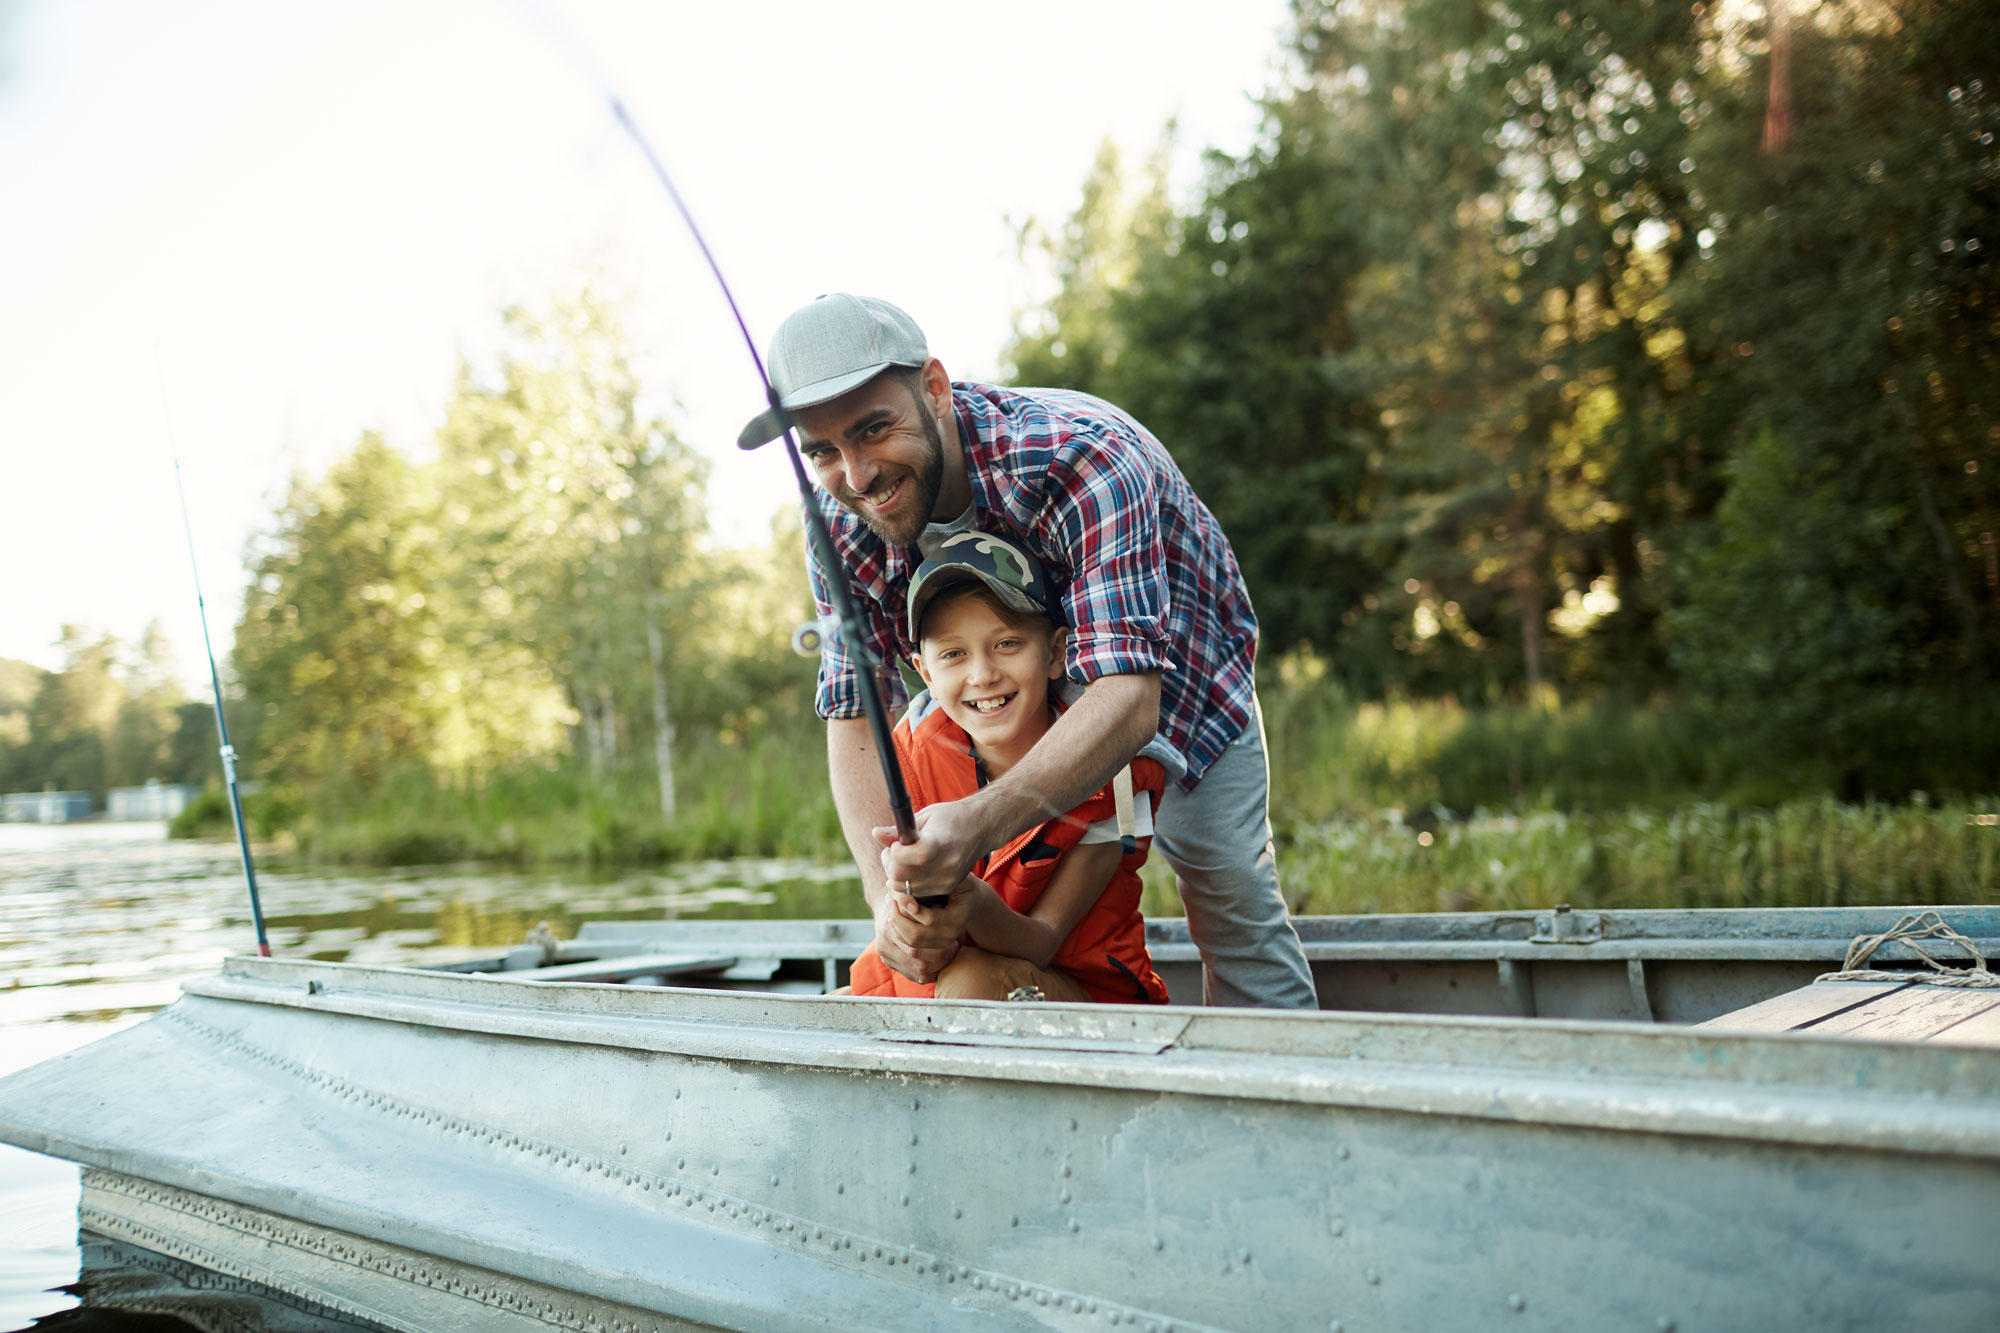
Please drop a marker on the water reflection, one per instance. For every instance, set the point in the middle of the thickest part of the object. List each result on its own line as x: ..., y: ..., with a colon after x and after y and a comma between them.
x: 109, y: 919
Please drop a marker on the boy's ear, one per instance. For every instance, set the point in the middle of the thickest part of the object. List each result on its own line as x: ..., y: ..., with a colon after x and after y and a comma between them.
x: 923, y: 670
x: 1056, y: 643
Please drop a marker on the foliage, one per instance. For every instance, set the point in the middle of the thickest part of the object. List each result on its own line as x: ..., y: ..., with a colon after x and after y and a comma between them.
x: 112, y: 716
x: 530, y: 609
x: 1577, y: 345
x: 1806, y: 853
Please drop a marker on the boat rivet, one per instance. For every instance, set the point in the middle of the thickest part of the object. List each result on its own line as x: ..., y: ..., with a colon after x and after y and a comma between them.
x: 906, y: 1201
x: 839, y: 1188
x: 1342, y: 1154
x: 1072, y: 1125
x: 979, y: 1284
x: 1014, y: 1220
x: 958, y: 1212
x: 913, y: 1140
x: 774, y: 1180
x: 677, y: 1094
x: 1517, y: 1302
x: 670, y: 1136
x: 1075, y: 1225
x: 1336, y: 1327
x: 1340, y: 1228
x: 1374, y: 1278
x: 1041, y: 1298
x: 680, y: 1163
x: 1063, y: 1197
x: 913, y: 1168
x: 1664, y: 1324
x: 1066, y: 1170
x: 621, y: 1150
x: 916, y: 1104
x: 1243, y: 1256
x: 950, y: 1276
x: 1159, y: 1242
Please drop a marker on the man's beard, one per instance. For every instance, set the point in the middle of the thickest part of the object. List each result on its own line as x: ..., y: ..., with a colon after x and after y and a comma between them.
x: 928, y: 479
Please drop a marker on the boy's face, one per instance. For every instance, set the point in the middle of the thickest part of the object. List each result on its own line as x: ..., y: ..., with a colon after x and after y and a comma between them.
x: 992, y: 678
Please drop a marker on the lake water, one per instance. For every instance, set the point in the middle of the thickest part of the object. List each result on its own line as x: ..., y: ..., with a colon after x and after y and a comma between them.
x: 101, y: 923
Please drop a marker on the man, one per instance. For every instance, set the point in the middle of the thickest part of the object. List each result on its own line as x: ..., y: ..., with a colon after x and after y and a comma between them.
x: 1161, y: 630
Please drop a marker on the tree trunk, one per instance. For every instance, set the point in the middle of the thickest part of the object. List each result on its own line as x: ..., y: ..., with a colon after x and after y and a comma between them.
x: 593, y: 747
x: 663, y: 720
x: 1961, y: 600
x: 607, y: 721
x: 1528, y: 599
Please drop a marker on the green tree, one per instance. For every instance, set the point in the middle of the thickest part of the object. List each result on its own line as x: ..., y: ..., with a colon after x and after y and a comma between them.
x: 339, y: 641
x: 578, y: 523
x: 1468, y: 349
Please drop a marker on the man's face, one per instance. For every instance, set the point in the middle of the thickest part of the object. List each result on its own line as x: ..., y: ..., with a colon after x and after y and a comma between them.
x: 878, y: 451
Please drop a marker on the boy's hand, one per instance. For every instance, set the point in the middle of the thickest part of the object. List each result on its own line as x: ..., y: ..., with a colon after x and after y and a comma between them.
x: 950, y: 837
x: 907, y: 941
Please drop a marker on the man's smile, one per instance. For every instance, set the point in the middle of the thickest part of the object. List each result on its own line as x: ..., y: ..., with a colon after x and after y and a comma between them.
x: 884, y: 496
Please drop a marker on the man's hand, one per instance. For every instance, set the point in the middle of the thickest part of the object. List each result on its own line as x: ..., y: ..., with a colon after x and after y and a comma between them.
x: 951, y: 835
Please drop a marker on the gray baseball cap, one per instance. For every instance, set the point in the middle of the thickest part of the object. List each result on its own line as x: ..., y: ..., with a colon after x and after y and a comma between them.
x: 822, y: 350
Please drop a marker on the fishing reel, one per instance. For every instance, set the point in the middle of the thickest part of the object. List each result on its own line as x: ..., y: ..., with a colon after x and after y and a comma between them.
x: 811, y: 638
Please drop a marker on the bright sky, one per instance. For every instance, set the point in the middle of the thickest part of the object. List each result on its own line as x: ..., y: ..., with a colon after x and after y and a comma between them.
x: 244, y: 232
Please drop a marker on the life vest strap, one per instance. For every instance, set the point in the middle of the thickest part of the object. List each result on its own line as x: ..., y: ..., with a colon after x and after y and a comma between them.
x: 1128, y: 819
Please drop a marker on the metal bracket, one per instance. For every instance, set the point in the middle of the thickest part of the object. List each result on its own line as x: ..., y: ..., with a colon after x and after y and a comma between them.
x: 1642, y: 1001
x: 1562, y: 926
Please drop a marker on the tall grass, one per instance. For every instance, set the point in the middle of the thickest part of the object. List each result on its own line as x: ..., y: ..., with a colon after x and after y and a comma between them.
x: 1804, y: 853
x: 764, y: 794
x: 1392, y: 807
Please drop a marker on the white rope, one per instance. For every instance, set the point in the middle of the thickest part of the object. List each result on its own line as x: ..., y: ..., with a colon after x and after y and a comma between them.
x: 1907, y: 931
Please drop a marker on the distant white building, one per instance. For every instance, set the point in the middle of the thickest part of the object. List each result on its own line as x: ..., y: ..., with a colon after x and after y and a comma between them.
x: 44, y: 807
x: 155, y: 800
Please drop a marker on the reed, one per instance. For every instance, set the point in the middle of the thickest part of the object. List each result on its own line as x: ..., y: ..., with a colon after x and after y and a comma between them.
x: 1805, y: 853
x: 1593, y: 804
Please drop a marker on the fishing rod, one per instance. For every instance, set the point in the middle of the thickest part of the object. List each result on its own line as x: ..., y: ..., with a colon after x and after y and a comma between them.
x: 822, y: 538
x: 222, y: 727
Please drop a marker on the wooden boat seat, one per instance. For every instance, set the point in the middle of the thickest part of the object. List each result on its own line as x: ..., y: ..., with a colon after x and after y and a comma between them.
x: 1876, y: 1010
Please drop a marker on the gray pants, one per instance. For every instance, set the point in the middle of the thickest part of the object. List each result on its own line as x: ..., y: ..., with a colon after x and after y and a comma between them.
x: 1218, y: 840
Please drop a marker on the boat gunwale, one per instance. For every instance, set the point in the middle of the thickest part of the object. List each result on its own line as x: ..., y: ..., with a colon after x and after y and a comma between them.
x: 1793, y: 1087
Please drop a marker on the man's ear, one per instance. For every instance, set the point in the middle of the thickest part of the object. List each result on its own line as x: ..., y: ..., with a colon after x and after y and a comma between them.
x: 937, y: 388
x: 1057, y: 642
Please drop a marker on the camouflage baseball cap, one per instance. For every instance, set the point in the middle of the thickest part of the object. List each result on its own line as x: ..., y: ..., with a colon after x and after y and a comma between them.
x: 980, y: 557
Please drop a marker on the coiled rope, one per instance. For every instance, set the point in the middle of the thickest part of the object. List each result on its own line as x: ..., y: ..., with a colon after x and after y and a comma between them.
x: 1907, y: 931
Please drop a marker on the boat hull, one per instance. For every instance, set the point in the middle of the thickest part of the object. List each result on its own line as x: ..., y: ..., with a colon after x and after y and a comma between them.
x: 552, y: 1155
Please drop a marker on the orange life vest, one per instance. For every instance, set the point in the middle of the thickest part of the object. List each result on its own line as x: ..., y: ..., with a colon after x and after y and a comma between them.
x: 1106, y: 952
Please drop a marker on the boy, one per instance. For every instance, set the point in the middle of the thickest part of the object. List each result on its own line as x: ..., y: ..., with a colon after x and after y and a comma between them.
x: 1057, y: 908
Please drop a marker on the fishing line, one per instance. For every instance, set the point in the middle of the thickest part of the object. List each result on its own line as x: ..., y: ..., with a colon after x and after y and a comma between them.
x: 830, y: 565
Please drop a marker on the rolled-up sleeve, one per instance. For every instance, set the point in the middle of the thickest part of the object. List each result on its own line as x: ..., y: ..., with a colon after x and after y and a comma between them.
x: 1104, y: 517
x: 839, y: 691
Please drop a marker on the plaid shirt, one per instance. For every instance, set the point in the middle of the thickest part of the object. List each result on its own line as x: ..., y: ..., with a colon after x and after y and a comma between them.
x: 1146, y: 579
